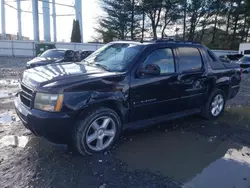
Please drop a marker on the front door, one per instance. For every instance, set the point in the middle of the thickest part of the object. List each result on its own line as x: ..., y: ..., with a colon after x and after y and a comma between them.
x: 153, y: 96
x: 192, y: 78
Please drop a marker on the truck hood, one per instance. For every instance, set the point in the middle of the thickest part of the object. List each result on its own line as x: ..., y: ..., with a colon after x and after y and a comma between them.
x: 43, y: 61
x: 63, y: 75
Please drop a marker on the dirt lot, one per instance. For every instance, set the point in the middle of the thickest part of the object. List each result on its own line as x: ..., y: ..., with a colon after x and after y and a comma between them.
x: 189, y: 153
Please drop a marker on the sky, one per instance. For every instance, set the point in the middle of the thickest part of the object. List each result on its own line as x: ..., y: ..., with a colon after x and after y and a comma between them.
x: 90, y: 9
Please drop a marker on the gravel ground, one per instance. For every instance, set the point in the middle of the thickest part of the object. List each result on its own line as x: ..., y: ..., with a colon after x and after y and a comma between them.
x: 167, y: 155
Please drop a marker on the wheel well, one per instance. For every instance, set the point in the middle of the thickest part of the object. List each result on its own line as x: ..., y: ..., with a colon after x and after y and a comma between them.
x: 111, y: 104
x: 224, y: 88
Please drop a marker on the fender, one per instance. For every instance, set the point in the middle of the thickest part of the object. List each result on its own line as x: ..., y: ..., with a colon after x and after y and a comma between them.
x: 85, y: 102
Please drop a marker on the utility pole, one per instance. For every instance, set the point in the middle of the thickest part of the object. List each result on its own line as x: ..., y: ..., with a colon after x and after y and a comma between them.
x: 35, y: 19
x: 46, y: 20
x: 19, y: 19
x: 78, y: 9
x: 54, y: 19
x: 3, y: 19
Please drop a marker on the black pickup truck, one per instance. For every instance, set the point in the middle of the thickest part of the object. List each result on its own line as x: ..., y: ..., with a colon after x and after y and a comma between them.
x: 124, y: 85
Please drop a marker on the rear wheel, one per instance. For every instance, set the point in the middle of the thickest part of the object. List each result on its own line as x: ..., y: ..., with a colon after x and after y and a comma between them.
x: 215, y: 105
x: 98, y: 132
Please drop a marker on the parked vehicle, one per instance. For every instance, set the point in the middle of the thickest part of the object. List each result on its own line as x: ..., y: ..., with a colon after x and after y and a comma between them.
x: 244, y: 49
x: 124, y: 85
x: 245, y: 63
x: 219, y: 53
x: 53, y: 56
x: 230, y: 58
x: 85, y: 53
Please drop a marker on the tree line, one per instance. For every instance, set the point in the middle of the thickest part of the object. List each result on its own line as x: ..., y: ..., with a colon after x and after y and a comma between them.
x: 221, y: 24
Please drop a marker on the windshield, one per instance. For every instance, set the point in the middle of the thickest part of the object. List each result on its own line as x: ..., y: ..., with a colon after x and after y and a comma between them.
x: 114, y: 57
x: 245, y: 59
x: 55, y: 54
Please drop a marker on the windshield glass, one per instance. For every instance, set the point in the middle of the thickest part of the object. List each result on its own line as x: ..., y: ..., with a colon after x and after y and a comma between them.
x: 245, y: 59
x: 114, y: 57
x: 55, y: 54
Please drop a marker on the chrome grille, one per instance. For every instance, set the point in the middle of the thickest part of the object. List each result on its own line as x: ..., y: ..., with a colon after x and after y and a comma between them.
x: 26, y: 95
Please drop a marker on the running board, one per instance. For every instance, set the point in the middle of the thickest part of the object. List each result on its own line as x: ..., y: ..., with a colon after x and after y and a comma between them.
x: 159, y: 119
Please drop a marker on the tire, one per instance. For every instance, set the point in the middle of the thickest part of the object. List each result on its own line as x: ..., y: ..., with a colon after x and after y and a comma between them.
x: 208, y: 112
x: 90, y: 134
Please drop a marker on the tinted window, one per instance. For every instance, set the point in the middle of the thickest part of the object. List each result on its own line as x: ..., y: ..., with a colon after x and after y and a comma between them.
x: 190, y: 59
x: 163, y: 58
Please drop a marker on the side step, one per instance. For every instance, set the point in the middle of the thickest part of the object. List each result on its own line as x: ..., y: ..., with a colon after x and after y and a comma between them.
x: 159, y: 119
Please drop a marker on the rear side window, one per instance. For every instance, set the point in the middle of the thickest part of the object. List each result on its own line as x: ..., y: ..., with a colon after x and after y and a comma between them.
x: 190, y: 59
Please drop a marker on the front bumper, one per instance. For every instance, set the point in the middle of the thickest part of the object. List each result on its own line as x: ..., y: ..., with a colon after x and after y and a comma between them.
x: 55, y: 127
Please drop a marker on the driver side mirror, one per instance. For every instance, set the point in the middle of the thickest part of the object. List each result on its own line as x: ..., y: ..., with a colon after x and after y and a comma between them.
x: 150, y: 69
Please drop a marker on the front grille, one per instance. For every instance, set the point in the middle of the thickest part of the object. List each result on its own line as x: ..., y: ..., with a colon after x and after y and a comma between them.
x: 245, y: 66
x: 26, y: 95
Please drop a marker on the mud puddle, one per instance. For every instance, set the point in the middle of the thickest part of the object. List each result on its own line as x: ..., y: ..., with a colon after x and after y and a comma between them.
x: 188, y: 158
x: 232, y: 170
x: 237, y: 116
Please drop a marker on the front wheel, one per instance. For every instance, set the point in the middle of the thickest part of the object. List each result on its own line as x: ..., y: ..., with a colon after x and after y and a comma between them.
x: 215, y: 105
x: 98, y: 132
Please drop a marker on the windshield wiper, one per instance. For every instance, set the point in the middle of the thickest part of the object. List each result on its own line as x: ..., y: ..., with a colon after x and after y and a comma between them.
x: 102, y: 66
x: 97, y: 65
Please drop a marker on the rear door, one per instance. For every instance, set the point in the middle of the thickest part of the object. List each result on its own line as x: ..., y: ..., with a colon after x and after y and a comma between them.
x: 192, y: 85
x: 153, y: 96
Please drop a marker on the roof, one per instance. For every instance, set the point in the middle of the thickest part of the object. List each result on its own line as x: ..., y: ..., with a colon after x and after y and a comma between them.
x: 160, y: 41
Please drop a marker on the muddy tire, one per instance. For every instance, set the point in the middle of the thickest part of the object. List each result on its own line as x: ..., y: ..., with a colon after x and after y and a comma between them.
x: 215, y: 105
x: 97, y: 133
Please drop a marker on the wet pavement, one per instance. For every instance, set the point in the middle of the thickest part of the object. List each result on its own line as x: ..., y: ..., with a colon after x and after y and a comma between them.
x: 195, y: 161
x: 189, y: 153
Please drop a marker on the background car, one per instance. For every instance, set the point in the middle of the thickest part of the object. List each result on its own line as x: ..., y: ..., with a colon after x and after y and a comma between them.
x: 245, y: 63
x: 53, y: 56
x: 85, y: 53
x: 230, y: 58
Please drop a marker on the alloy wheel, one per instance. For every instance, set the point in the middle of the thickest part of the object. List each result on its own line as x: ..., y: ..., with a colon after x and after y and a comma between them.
x: 101, y: 133
x: 217, y: 105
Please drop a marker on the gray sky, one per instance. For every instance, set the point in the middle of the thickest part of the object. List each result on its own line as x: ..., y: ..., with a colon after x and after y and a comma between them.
x: 90, y: 8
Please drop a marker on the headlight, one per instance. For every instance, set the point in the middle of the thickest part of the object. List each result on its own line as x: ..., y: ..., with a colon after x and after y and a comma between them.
x: 48, y: 102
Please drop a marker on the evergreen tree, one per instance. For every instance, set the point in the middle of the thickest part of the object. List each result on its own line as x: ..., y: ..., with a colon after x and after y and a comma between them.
x: 220, y: 24
x: 76, y: 33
